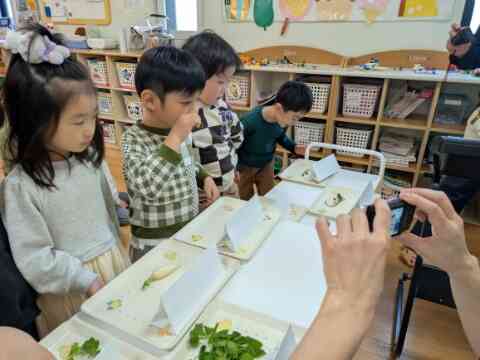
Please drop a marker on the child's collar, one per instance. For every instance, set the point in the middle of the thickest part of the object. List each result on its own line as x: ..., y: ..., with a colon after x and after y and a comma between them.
x: 155, y: 130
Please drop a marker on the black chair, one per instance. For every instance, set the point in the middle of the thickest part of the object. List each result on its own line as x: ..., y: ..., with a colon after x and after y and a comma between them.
x: 452, y: 156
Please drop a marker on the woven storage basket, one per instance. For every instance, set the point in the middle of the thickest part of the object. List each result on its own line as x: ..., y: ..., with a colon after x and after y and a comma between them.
x: 308, y: 132
x: 98, y: 71
x: 109, y: 135
x: 105, y: 103
x: 133, y: 107
x: 360, y: 100
x: 353, y: 138
x: 238, y: 90
x: 126, y: 74
x: 321, y: 95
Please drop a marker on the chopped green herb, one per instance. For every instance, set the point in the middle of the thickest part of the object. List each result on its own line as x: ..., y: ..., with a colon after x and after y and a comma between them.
x: 147, y: 284
x: 89, y: 348
x: 223, y: 344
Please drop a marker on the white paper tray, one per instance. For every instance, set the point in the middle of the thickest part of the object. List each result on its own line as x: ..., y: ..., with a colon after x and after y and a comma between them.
x: 209, y: 227
x: 132, y: 320
x: 300, y: 171
x: 261, y: 327
x: 351, y: 200
x: 76, y: 330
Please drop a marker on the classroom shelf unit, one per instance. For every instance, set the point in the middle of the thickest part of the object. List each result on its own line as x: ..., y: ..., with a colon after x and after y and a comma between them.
x: 330, y: 68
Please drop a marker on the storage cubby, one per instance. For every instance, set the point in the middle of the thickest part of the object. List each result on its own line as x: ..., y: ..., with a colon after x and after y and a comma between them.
x: 345, y: 97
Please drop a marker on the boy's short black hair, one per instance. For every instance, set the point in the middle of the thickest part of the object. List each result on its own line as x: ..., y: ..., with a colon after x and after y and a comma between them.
x: 213, y: 52
x: 295, y: 96
x: 166, y: 69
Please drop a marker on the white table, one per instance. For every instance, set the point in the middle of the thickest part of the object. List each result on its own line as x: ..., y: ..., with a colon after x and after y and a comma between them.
x: 285, y: 279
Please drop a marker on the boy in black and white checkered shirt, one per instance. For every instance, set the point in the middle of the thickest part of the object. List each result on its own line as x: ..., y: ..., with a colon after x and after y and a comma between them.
x: 216, y: 141
x: 162, y: 177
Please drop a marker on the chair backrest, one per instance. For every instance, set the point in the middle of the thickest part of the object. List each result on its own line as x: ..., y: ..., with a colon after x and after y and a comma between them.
x: 456, y: 156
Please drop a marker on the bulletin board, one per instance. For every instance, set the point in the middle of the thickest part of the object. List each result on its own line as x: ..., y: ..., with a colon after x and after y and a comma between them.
x: 76, y: 12
x: 339, y: 10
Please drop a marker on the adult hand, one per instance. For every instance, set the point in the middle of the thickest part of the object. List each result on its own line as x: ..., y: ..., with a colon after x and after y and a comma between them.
x: 446, y: 248
x: 354, y: 259
x: 459, y: 50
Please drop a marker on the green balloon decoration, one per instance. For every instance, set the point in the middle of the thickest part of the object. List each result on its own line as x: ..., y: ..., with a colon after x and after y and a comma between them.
x: 263, y: 13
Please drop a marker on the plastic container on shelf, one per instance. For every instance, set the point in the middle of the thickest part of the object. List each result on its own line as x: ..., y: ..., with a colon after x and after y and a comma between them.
x: 308, y: 132
x: 98, y: 71
x: 353, y: 136
x: 360, y: 100
x: 238, y: 90
x: 321, y: 95
x: 126, y: 74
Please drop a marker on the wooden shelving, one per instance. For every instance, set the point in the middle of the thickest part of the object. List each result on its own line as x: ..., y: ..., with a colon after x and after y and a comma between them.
x: 415, y: 123
x: 268, y: 78
x: 454, y: 129
x: 314, y: 115
x: 364, y: 160
x: 359, y: 120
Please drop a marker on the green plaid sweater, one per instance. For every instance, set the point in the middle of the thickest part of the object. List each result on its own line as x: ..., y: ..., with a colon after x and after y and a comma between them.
x: 161, y: 183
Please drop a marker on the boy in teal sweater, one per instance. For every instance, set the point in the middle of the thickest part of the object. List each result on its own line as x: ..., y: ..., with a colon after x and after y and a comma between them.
x: 264, y: 128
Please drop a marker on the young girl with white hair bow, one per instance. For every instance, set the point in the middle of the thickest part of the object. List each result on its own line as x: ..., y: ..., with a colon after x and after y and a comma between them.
x: 56, y: 202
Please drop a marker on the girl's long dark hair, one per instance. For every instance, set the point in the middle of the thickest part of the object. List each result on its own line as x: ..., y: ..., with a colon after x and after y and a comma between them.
x: 33, y: 99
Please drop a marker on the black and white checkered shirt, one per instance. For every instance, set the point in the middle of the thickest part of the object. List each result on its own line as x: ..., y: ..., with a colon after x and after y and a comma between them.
x: 216, y: 142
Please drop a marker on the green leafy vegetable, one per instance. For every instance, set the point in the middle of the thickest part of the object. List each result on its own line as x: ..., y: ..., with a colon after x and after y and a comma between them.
x: 218, y: 344
x: 147, y: 284
x: 114, y: 304
x: 90, y: 348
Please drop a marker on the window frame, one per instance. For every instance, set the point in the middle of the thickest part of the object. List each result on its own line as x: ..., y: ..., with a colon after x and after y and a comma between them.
x: 184, y: 35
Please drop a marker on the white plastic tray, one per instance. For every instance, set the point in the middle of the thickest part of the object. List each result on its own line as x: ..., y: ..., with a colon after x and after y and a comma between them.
x: 261, y: 327
x: 76, y: 330
x: 300, y: 171
x: 132, y: 320
x: 208, y: 228
x: 351, y: 200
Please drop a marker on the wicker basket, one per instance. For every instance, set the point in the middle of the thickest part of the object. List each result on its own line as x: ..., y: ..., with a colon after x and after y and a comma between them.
x: 98, y: 71
x: 354, y: 138
x: 308, y: 132
x: 321, y: 94
x: 105, y: 103
x: 360, y: 100
x: 126, y: 74
x: 109, y: 135
x: 134, y: 107
x: 238, y: 91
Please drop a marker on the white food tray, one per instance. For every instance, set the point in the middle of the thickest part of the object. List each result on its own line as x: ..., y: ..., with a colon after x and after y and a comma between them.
x: 269, y: 331
x: 132, y: 320
x: 300, y: 171
x: 209, y: 227
x: 76, y: 330
x: 350, y: 200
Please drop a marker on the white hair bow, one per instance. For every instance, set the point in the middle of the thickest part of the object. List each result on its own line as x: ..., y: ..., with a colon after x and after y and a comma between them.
x: 36, y: 49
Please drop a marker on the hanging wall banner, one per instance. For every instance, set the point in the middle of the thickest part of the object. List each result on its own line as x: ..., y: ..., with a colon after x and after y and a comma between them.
x: 264, y: 12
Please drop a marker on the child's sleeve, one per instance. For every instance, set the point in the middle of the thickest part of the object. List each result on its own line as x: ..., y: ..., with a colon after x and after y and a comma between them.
x: 47, y: 269
x: 236, y: 131
x: 286, y: 142
x: 149, y: 173
x: 111, y: 183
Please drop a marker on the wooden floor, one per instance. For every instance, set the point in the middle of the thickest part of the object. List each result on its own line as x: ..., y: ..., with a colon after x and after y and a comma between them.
x: 435, y: 332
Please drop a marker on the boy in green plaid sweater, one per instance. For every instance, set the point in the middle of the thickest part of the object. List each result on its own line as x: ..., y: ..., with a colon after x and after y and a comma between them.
x: 161, y: 175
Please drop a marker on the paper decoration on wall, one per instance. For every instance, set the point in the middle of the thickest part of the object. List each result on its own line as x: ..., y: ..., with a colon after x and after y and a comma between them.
x: 263, y: 13
x: 372, y: 9
x: 418, y: 8
x: 237, y: 10
x: 334, y: 10
x: 295, y: 9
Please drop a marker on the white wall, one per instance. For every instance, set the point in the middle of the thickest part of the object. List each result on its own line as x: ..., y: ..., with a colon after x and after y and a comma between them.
x: 349, y: 39
x: 121, y: 17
